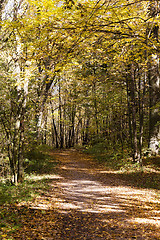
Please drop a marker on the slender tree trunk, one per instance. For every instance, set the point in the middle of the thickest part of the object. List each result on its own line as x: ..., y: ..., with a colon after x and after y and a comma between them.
x: 132, y: 111
x: 72, y: 127
x: 20, y: 176
x: 121, y: 125
x: 45, y: 128
x: 55, y: 128
x: 141, y: 95
x: 86, y: 131
x: 134, y: 124
x: 60, y: 118
x: 95, y: 103
x: 129, y: 117
x: 78, y: 128
x: 1, y: 9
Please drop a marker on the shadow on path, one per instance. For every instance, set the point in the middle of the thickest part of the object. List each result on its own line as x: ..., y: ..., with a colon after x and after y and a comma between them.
x: 86, y: 202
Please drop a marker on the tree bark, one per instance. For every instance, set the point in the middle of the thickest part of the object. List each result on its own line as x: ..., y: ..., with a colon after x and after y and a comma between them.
x: 130, y: 80
x: 154, y: 115
x: 60, y: 118
x: 55, y: 128
x: 154, y: 83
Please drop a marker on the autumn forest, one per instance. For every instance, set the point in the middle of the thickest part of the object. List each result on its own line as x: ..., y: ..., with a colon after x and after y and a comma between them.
x: 79, y: 74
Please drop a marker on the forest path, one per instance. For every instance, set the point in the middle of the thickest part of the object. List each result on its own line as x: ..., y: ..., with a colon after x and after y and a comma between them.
x: 86, y: 202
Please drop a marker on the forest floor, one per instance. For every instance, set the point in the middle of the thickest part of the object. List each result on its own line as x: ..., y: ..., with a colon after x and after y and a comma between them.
x: 84, y: 201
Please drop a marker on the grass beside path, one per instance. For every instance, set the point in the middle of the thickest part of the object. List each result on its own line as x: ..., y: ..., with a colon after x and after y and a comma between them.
x: 40, y: 170
x: 121, y: 165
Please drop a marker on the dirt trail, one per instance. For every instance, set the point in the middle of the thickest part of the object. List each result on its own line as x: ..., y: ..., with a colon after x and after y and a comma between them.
x: 87, y: 202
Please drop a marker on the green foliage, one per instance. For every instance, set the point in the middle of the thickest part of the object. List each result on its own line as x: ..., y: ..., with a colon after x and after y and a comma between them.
x: 44, y: 148
x: 38, y: 160
x: 112, y: 158
x: 10, y: 193
x: 122, y: 165
x: 146, y: 179
x: 4, y: 166
x: 30, y: 188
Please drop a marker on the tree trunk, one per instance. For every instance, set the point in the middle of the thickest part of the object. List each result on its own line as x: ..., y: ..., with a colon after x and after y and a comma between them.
x: 141, y: 95
x: 2, y: 2
x: 154, y: 115
x: 95, y: 104
x: 130, y: 80
x: 154, y: 83
x: 55, y: 128
x: 60, y: 118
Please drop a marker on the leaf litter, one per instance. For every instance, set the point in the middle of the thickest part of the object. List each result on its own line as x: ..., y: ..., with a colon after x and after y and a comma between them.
x: 85, y: 202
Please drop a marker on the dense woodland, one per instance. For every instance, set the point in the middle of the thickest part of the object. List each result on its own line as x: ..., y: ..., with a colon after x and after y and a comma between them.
x: 78, y: 73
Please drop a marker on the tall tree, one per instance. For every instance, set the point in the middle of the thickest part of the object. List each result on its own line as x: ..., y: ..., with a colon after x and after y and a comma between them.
x: 154, y: 79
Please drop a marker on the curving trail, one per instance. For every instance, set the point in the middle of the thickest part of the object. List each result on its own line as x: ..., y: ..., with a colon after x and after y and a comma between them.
x: 87, y: 202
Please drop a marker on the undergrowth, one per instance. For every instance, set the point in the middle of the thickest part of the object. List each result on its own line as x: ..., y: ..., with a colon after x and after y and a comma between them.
x: 121, y: 164
x: 39, y: 165
x: 113, y: 159
x: 39, y: 169
x: 38, y: 160
x: 22, y: 192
